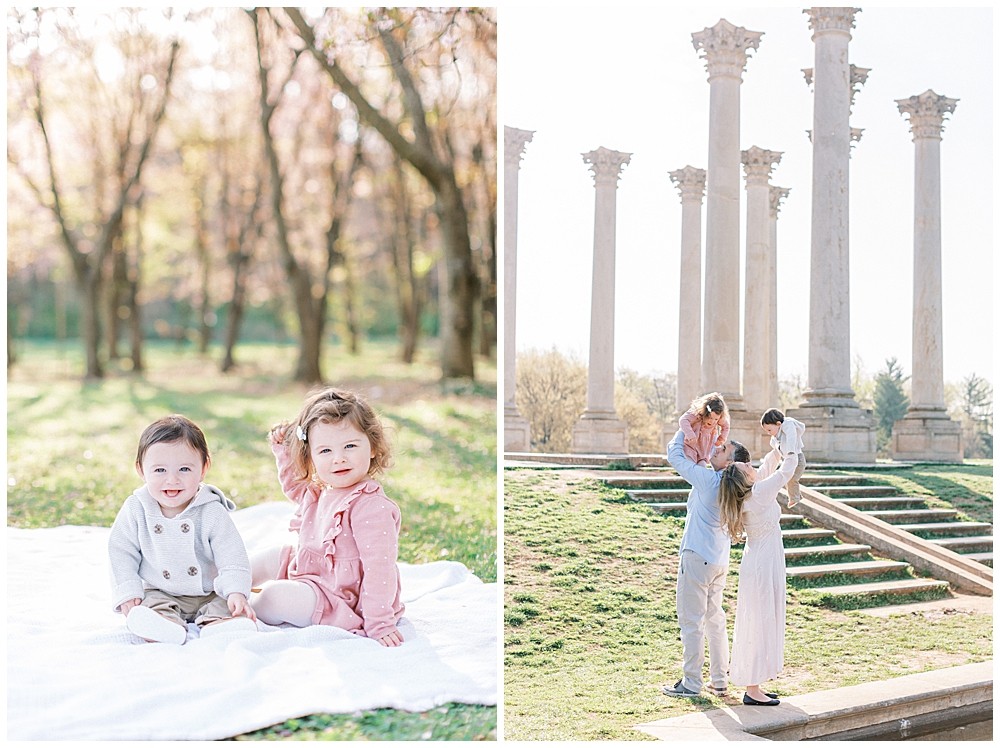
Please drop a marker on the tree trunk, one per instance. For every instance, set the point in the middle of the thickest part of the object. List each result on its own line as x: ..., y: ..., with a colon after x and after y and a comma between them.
x: 133, y: 278
x: 408, y: 296
x: 115, y: 296
x: 460, y: 292
x: 488, y: 328
x: 11, y: 357
x: 90, y: 327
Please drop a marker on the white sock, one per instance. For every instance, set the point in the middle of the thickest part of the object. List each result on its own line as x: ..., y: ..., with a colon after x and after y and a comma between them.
x: 148, y: 624
x: 239, y: 625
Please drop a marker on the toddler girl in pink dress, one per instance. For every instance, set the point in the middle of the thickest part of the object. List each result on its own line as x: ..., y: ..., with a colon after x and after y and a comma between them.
x: 705, y: 427
x: 343, y: 570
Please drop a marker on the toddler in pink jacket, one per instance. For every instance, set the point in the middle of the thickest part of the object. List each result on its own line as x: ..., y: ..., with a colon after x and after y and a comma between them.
x: 343, y: 570
x: 705, y: 427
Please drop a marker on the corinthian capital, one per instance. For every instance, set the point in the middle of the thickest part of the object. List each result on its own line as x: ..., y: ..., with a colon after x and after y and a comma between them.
x: 858, y: 78
x: 606, y: 164
x: 758, y: 163
x: 777, y: 195
x: 725, y: 48
x: 691, y: 183
x: 926, y: 113
x: 822, y: 20
x: 514, y: 141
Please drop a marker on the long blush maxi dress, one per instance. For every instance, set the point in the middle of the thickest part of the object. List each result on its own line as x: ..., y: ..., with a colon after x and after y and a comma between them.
x: 759, y: 633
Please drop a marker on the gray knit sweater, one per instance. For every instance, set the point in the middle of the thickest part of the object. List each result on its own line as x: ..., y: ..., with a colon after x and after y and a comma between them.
x: 195, y: 553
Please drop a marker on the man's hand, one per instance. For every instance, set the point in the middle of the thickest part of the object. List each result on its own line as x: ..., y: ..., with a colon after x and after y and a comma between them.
x: 238, y: 605
x: 128, y: 605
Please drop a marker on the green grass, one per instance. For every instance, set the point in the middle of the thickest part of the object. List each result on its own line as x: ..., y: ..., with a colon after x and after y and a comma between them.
x: 71, y: 448
x: 591, y: 628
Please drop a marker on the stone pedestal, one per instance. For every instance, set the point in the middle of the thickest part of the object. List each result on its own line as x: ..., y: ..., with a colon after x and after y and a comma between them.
x: 838, y: 430
x: 725, y: 49
x: 601, y: 436
x: 835, y: 434
x: 744, y: 427
x: 516, y: 430
x: 926, y: 433
x: 932, y: 438
x: 599, y: 430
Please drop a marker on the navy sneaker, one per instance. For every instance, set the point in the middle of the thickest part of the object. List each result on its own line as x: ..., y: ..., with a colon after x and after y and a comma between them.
x: 678, y: 689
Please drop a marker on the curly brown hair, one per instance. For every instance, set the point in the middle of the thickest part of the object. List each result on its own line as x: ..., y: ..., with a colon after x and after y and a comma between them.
x: 330, y: 405
x: 710, y: 403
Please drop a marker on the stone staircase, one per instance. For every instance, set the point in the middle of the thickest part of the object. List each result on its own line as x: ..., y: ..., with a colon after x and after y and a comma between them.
x: 833, y: 570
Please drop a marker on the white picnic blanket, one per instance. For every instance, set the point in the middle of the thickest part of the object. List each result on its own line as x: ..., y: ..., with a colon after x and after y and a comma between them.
x: 74, y: 672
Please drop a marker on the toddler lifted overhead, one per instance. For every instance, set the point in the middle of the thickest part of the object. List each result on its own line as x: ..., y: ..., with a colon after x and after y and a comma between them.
x: 343, y: 571
x: 705, y: 427
x: 176, y: 556
x: 786, y: 437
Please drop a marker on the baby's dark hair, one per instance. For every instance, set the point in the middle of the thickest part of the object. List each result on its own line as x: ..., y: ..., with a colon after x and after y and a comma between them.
x: 772, y: 417
x: 171, y: 429
x: 332, y: 406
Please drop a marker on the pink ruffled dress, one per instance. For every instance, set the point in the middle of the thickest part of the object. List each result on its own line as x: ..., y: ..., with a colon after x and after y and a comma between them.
x: 705, y: 438
x: 348, y: 542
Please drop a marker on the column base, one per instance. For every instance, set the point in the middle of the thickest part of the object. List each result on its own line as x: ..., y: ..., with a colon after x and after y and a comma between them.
x: 924, y: 436
x: 836, y: 434
x: 745, y: 428
x: 516, y: 432
x: 600, y: 436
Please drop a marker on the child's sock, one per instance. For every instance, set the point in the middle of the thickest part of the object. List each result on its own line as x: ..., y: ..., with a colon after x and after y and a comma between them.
x: 148, y: 624
x: 229, y: 626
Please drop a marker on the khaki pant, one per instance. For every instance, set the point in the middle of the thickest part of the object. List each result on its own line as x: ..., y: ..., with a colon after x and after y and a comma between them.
x: 700, y: 613
x: 794, y: 494
x: 184, y: 609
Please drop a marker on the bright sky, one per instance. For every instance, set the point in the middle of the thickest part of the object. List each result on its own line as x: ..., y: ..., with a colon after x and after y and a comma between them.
x: 630, y: 80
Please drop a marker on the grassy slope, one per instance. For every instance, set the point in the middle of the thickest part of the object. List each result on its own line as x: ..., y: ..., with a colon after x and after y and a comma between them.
x: 71, y: 447
x: 591, y: 628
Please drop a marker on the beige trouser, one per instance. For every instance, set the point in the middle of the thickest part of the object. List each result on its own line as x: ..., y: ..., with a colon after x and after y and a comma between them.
x: 183, y: 609
x: 794, y: 494
x: 699, y: 612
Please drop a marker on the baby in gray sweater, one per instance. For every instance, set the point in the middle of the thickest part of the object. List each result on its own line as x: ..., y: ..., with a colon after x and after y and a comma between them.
x: 176, y: 556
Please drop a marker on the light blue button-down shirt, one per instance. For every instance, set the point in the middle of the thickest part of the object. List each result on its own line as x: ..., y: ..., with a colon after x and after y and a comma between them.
x: 702, y: 528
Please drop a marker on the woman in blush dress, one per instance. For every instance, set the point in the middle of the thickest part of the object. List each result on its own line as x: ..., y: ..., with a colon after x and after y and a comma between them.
x: 748, y: 503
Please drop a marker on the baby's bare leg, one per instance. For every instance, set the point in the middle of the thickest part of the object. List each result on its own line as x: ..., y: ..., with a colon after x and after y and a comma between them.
x: 264, y: 565
x: 285, y: 601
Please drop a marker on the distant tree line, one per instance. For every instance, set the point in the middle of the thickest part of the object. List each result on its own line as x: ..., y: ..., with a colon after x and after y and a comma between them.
x: 552, y: 393
x: 230, y: 164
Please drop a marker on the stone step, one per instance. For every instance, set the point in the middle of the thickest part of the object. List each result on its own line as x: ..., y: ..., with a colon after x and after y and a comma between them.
x: 978, y: 543
x: 882, y: 502
x: 900, y: 516
x: 854, y: 568
x: 949, y: 528
x: 836, y: 549
x: 677, y: 508
x: 897, y: 587
x: 983, y: 558
x: 819, y: 479
x: 855, y: 492
x: 808, y: 533
x: 652, y: 494
x: 652, y: 480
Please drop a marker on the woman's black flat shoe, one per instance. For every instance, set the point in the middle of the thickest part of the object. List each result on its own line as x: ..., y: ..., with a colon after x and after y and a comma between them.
x: 753, y: 702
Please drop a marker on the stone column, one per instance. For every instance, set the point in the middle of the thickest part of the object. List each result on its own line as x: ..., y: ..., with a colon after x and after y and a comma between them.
x: 757, y: 372
x: 926, y: 433
x: 599, y: 430
x: 725, y: 49
x: 691, y: 183
x: 838, y: 430
x: 777, y: 194
x: 516, y: 431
